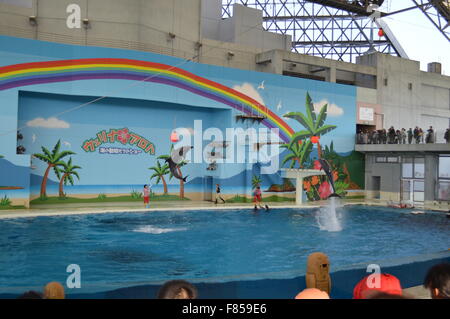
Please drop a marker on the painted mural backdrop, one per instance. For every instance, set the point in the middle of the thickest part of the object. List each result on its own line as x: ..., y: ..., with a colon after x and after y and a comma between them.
x: 300, y: 148
x: 86, y: 148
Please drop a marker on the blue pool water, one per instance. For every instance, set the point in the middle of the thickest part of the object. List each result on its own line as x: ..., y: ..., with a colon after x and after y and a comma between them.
x: 125, y: 249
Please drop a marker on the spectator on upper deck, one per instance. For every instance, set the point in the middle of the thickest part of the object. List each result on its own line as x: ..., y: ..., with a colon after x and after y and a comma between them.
x: 430, y: 135
x: 371, y: 285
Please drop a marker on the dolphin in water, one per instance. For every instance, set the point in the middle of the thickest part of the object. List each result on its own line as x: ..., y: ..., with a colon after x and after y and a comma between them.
x: 326, y: 168
x: 177, y: 157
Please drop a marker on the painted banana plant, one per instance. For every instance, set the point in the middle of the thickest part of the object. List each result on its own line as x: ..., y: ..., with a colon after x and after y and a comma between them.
x: 299, y: 153
x: 313, y: 124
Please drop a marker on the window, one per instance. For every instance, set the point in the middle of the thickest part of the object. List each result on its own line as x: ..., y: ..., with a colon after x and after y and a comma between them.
x: 419, y: 186
x: 388, y: 159
x: 444, y: 167
x: 407, y: 167
x: 413, y: 167
x: 443, y: 187
x: 419, y: 167
x: 444, y: 190
x: 392, y: 159
x: 406, y: 189
x: 419, y: 191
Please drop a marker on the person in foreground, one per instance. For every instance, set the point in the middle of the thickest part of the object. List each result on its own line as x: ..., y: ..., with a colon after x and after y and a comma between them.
x: 370, y: 288
x: 312, y: 293
x: 177, y: 289
x: 54, y: 290
x: 31, y: 295
x: 437, y: 281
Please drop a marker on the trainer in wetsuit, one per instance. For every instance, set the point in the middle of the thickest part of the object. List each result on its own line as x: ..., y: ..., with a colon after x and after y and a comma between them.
x: 218, y: 194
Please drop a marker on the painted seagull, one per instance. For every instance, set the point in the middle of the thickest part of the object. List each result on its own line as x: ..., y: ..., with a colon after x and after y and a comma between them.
x: 279, y: 106
x: 177, y: 157
x: 261, y: 86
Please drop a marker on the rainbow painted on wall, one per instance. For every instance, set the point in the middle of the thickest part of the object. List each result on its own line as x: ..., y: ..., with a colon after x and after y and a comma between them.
x: 19, y: 75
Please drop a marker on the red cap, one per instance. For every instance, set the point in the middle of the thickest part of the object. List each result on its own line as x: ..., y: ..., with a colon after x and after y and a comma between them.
x: 387, y: 283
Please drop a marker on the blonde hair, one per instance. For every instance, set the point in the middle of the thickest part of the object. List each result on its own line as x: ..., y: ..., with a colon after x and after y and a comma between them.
x: 54, y: 290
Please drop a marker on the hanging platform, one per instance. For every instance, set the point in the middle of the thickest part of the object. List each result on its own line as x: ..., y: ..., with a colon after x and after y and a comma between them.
x: 253, y: 118
x: 257, y: 146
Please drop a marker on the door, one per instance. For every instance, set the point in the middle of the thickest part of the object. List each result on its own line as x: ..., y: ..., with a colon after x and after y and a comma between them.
x: 406, y: 190
x: 418, y: 191
x: 413, y: 190
x: 207, y: 188
x: 376, y: 186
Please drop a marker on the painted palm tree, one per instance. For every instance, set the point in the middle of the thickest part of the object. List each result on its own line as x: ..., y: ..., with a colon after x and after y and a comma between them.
x: 53, y: 160
x: 67, y: 171
x: 256, y: 181
x: 179, y: 165
x: 314, y: 124
x: 160, y: 172
x: 299, y: 153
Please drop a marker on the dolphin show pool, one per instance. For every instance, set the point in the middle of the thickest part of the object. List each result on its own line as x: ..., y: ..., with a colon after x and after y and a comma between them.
x: 117, y: 250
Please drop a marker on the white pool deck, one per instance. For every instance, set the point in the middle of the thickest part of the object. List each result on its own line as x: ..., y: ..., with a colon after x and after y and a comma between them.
x: 137, y: 207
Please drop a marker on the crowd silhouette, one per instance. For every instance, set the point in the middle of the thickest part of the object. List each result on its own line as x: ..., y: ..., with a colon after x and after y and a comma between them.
x: 396, y: 136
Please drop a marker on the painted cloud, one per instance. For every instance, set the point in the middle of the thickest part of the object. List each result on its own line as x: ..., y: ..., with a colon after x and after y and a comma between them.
x: 249, y: 90
x: 51, y: 122
x: 333, y: 109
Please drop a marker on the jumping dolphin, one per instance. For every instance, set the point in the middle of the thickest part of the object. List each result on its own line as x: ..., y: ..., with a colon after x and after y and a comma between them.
x: 177, y: 157
x: 179, y: 154
x: 326, y: 168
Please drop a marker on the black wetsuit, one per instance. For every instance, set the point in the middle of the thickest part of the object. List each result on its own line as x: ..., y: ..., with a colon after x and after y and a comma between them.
x: 218, y: 195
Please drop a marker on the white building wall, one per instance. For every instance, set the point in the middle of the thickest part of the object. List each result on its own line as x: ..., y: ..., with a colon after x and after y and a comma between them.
x: 410, y: 97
